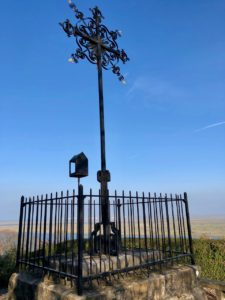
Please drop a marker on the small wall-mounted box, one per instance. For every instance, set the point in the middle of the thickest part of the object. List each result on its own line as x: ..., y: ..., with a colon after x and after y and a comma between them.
x: 78, y: 166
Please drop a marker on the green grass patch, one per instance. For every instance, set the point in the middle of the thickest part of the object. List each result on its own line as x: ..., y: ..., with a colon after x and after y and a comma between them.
x: 7, y: 266
x: 210, y: 256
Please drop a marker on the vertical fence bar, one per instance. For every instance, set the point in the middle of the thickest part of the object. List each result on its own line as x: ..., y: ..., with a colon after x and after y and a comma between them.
x: 139, y: 232
x: 189, y: 228
x: 132, y: 226
x: 50, y: 229
x: 45, y: 228
x: 23, y: 230
x: 28, y: 231
x: 124, y: 229
x: 108, y: 247
x: 36, y: 230
x: 156, y: 225
x: 58, y: 218
x: 66, y: 229
x: 90, y: 229
x: 100, y: 231
x: 60, y: 230
x: 55, y: 230
x: 94, y: 222
x: 179, y: 224
x: 174, y: 225
x: 144, y: 220
x: 80, y: 237
x: 31, y: 230
x: 20, y: 232
x: 184, y: 231
x: 116, y: 220
x: 150, y: 225
x: 161, y: 216
x: 119, y: 233
x: 168, y: 226
x: 129, y: 225
x: 40, y: 230
x: 72, y: 232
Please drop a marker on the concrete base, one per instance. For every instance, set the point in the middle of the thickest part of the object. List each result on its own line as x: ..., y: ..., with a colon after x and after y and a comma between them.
x: 94, y: 265
x: 178, y: 282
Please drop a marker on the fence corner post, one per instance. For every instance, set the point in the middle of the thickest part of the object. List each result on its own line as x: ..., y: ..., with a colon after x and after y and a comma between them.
x: 189, y: 228
x: 80, y: 238
x: 19, y: 233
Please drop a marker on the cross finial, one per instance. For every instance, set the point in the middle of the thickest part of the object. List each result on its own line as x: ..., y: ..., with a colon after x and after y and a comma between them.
x: 91, y: 35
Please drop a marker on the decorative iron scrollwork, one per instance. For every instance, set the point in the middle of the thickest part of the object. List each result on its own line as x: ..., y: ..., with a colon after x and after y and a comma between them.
x: 95, y: 42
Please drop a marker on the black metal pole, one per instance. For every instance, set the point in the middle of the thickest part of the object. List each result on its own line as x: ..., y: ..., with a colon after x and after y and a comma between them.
x: 80, y: 239
x: 104, y: 174
x: 101, y: 111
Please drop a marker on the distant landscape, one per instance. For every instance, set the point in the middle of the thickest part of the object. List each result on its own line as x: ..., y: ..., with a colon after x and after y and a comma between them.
x: 210, y: 227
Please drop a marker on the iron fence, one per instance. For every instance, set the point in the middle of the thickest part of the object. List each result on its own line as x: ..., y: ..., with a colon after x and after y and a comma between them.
x: 62, y: 234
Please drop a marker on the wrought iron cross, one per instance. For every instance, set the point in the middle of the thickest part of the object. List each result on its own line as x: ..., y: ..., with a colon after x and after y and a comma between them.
x: 98, y: 44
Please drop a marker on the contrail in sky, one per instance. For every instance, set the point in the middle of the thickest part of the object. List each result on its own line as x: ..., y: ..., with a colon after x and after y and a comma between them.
x: 210, y: 126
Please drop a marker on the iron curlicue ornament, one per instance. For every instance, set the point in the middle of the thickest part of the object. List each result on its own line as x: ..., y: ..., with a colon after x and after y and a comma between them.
x: 95, y: 41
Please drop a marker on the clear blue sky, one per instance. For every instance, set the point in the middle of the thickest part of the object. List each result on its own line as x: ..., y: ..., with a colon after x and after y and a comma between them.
x: 165, y: 129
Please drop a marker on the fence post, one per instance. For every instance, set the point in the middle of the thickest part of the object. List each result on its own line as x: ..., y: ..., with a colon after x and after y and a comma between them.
x: 168, y: 226
x: 80, y: 238
x: 189, y: 228
x: 19, y: 232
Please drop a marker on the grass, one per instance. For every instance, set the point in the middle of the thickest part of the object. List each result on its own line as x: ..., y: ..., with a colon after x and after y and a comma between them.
x: 7, y: 258
x: 7, y: 266
x: 210, y: 256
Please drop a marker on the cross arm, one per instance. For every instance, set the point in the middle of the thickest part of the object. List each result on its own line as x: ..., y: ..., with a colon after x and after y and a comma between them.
x: 72, y: 30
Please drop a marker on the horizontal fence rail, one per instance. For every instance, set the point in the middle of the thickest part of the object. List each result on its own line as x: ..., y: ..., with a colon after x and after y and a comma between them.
x: 62, y: 234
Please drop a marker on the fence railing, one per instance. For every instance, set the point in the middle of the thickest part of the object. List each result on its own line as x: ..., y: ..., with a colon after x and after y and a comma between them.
x: 62, y: 234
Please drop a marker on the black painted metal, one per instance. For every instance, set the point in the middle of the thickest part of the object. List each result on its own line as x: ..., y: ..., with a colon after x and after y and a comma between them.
x: 189, y: 228
x: 55, y: 234
x: 18, y: 254
x: 79, y: 163
x: 80, y: 238
x: 98, y: 44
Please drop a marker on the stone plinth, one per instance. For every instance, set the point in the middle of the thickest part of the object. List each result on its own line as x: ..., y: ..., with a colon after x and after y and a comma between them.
x: 175, y: 283
x: 95, y: 264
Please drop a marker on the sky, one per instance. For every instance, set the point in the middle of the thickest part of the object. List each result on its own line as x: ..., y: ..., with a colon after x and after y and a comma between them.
x: 165, y: 127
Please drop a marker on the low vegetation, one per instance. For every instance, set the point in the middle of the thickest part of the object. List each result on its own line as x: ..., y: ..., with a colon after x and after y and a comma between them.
x: 7, y: 256
x: 210, y: 256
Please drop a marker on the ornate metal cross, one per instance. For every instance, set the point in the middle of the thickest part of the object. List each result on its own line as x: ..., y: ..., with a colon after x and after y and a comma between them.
x: 98, y: 44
